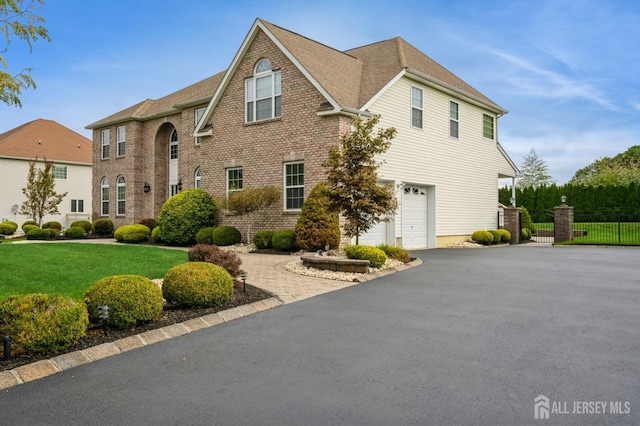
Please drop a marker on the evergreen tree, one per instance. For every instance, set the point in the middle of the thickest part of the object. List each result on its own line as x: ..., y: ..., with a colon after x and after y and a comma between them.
x: 42, y: 199
x: 534, y: 172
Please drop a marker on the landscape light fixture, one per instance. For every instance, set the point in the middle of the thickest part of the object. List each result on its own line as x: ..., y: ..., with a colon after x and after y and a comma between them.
x: 146, y: 188
x: 512, y: 201
x: 103, y: 314
x: 563, y: 199
x: 243, y: 275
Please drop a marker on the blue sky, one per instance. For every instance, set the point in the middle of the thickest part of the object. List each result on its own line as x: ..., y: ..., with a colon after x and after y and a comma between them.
x: 567, y: 71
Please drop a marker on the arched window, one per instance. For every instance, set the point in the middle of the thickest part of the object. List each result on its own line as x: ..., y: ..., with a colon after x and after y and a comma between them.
x: 104, y: 196
x: 263, y: 93
x: 121, y: 195
x: 197, y: 177
x: 173, y: 145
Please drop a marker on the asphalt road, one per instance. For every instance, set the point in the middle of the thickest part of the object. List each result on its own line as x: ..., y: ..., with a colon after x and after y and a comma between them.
x: 471, y: 337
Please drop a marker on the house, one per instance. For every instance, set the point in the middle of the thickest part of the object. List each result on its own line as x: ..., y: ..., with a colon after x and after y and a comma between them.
x: 71, y: 155
x: 270, y: 118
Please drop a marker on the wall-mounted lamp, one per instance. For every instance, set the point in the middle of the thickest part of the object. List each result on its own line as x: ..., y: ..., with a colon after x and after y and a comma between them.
x: 146, y: 188
x: 179, y: 185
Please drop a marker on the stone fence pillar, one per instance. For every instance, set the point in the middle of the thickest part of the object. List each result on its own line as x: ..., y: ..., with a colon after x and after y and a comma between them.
x: 563, y: 223
x: 512, y: 223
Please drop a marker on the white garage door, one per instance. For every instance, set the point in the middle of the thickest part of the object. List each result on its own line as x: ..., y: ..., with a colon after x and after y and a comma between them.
x: 375, y: 236
x: 414, y: 217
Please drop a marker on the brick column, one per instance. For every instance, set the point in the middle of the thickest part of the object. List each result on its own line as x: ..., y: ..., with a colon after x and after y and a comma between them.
x: 512, y: 223
x: 563, y: 223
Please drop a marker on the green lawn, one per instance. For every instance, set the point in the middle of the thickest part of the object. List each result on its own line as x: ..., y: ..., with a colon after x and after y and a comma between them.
x: 70, y: 268
x: 626, y: 233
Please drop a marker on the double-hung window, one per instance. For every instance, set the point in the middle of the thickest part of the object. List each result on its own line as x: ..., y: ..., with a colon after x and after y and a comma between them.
x: 120, y: 141
x: 104, y: 197
x: 453, y: 119
x: 197, y: 178
x: 416, y: 107
x: 121, y: 195
x: 77, y: 206
x: 105, y: 144
x: 487, y: 126
x: 234, y: 180
x: 293, y: 186
x: 263, y: 93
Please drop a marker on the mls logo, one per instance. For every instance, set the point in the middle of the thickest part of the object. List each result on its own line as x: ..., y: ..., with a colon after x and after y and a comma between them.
x: 541, y: 407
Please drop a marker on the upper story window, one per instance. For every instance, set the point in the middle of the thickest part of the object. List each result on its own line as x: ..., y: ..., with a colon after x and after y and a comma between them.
x: 487, y: 126
x: 293, y: 186
x: 416, y: 107
x: 453, y: 119
x: 59, y: 172
x: 197, y: 176
x: 263, y: 93
x: 120, y: 141
x: 197, y: 116
x: 105, y: 144
x: 104, y: 196
x: 234, y: 180
x: 173, y: 145
x: 121, y: 195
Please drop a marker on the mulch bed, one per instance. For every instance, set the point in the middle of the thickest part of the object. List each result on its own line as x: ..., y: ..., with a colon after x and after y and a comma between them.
x: 170, y: 315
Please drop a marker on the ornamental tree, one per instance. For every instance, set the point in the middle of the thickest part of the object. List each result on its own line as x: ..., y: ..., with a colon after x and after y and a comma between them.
x: 42, y: 199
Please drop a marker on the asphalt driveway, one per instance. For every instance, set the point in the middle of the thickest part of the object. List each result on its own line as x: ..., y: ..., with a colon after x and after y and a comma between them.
x: 472, y: 336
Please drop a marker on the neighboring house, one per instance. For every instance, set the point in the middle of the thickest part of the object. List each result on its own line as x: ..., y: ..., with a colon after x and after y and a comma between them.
x: 71, y: 155
x: 270, y: 118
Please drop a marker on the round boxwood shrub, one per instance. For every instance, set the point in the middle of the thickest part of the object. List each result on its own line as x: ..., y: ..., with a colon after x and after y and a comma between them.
x: 52, y: 224
x: 102, y: 227
x: 38, y: 234
x: 29, y: 223
x: 526, y: 234
x: 155, y: 235
x: 317, y: 227
x: 225, y: 236
x: 374, y: 255
x: 262, y: 239
x: 505, y: 236
x: 132, y: 233
x: 131, y: 299
x: 27, y: 228
x: 84, y: 224
x: 211, y: 253
x: 53, y: 232
x: 197, y: 284
x: 42, y: 322
x: 184, y: 214
x: 75, y: 232
x: 8, y: 227
x: 284, y: 239
x: 397, y: 253
x: 482, y: 237
x: 205, y: 235
x: 497, y: 238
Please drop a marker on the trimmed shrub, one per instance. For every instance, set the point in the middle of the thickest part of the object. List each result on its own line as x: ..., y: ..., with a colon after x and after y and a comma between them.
x: 155, y: 235
x: 397, y: 253
x: 284, y: 239
x: 262, y: 239
x: 205, y: 235
x: 212, y: 254
x: 131, y: 299
x: 526, y: 234
x: 53, y: 232
x: 27, y: 228
x: 30, y: 222
x: 8, y: 228
x: 75, y: 232
x: 102, y: 227
x: 317, y: 227
x: 525, y: 220
x: 505, y: 236
x: 496, y: 236
x: 132, y: 233
x: 42, y: 322
x: 225, y: 236
x: 52, y: 225
x: 482, y: 237
x: 38, y: 234
x: 84, y: 224
x: 184, y: 214
x: 197, y: 284
x: 374, y: 255
x: 149, y: 223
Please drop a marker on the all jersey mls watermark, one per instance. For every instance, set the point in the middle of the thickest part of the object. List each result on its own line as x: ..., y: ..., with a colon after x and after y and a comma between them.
x: 544, y: 407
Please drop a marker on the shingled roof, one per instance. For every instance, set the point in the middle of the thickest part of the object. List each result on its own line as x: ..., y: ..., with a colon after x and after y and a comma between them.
x: 45, y: 139
x: 350, y: 78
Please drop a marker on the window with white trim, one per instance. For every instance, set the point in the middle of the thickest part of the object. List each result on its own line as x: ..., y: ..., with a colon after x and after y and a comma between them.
x: 416, y: 107
x: 104, y: 196
x: 263, y: 93
x: 453, y: 119
x: 121, y: 195
x: 197, y: 176
x: 120, y: 141
x: 487, y: 126
x: 173, y: 145
x: 105, y: 144
x: 234, y: 180
x: 293, y: 185
x: 59, y: 172
x: 197, y: 116
x: 77, y: 206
